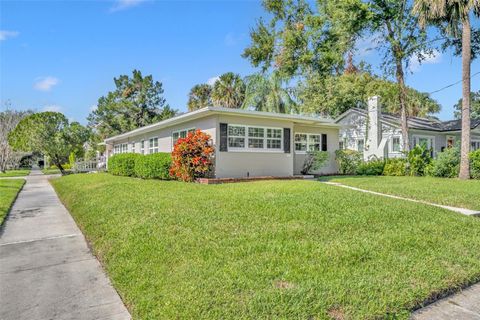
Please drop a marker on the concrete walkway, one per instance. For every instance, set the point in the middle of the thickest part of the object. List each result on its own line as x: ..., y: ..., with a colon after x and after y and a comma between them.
x: 461, y: 306
x: 464, y: 211
x: 46, y: 268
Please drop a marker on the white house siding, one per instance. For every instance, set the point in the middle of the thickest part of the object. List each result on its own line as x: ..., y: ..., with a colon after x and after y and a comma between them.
x: 332, y: 145
x: 207, y: 124
x: 237, y: 164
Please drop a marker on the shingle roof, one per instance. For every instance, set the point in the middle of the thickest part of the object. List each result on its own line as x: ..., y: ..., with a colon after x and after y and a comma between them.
x: 431, y: 124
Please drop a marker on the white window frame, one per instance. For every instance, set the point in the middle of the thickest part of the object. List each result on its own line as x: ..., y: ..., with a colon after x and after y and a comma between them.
x: 124, y: 148
x: 474, y: 144
x: 142, y: 147
x: 179, y: 132
x: 399, y: 144
x: 152, y: 148
x: 133, y: 146
x: 308, y: 142
x: 431, y: 140
x: 246, y: 139
x: 116, y: 149
x: 450, y: 138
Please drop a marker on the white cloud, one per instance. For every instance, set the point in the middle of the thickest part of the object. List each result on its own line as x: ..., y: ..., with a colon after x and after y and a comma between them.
x: 366, y: 45
x: 52, y: 108
x: 212, y: 80
x: 426, y: 58
x: 45, y: 83
x: 5, y: 34
x: 125, y: 4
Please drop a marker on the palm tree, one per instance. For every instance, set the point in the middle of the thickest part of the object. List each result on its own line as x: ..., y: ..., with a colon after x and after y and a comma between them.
x: 454, y: 17
x: 267, y: 93
x: 199, y: 97
x: 228, y: 91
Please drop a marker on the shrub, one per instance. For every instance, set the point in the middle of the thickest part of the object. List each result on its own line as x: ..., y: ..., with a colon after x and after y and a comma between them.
x: 314, y: 160
x: 447, y: 164
x: 371, y: 168
x: 475, y: 164
x: 395, y: 167
x: 123, y: 164
x: 348, y: 161
x: 192, y: 157
x: 417, y: 160
x: 153, y: 166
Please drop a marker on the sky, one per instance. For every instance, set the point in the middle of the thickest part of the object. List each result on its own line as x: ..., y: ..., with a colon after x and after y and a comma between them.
x: 63, y: 55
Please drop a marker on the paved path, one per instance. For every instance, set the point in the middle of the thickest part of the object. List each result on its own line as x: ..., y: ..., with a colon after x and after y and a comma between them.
x: 462, y: 306
x: 464, y: 211
x: 46, y: 268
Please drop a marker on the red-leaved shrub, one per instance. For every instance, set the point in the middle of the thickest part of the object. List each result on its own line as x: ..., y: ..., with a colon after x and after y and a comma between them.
x: 192, y: 157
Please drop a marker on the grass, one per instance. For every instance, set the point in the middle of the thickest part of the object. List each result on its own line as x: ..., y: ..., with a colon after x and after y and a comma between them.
x: 53, y: 171
x: 271, y: 249
x: 8, y: 192
x: 451, y: 192
x: 15, y: 173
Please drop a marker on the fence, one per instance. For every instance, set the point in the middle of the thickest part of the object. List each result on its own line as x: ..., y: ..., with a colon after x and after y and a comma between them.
x: 89, y: 166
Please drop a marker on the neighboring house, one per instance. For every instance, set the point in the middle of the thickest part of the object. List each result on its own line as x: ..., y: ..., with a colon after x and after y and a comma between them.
x: 247, y: 143
x: 361, y: 131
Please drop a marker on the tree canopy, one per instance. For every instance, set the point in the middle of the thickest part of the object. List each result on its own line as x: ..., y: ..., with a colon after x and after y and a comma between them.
x: 474, y: 106
x: 49, y: 133
x: 333, y: 95
x: 199, y: 97
x: 137, y: 101
x: 228, y: 91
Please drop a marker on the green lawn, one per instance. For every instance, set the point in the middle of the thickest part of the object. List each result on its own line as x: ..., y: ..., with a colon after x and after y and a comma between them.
x: 271, y: 249
x: 451, y: 192
x: 8, y: 191
x: 15, y: 173
x: 53, y: 171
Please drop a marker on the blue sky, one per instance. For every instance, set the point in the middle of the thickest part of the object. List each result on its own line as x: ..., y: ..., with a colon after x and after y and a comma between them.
x: 63, y: 55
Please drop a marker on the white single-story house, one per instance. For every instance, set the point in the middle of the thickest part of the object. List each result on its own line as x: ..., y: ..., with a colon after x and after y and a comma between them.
x: 378, y: 134
x: 247, y: 143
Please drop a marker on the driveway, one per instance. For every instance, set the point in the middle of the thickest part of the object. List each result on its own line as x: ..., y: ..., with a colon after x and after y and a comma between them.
x: 47, y: 270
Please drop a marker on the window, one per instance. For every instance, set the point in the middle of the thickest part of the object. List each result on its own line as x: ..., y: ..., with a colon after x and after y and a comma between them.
x: 360, y: 145
x: 142, y: 147
x: 116, y: 149
x: 153, y: 145
x: 340, y: 145
x: 180, y: 134
x: 396, y: 144
x: 475, y: 145
x: 307, y: 142
x: 133, y: 147
x: 425, y: 141
x: 124, y: 148
x: 450, y: 142
x: 255, y: 138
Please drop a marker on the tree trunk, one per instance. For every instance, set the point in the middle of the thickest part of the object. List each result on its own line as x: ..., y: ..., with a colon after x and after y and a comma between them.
x: 59, y: 165
x: 466, y: 61
x: 402, y: 98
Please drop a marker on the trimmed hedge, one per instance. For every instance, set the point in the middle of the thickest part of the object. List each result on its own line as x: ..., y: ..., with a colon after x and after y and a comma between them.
x: 123, y: 164
x: 395, y: 167
x: 371, y: 168
x: 153, y: 166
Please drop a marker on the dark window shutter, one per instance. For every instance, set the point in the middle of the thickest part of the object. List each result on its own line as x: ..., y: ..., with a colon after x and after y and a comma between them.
x: 223, y: 137
x: 324, y: 142
x: 286, y: 140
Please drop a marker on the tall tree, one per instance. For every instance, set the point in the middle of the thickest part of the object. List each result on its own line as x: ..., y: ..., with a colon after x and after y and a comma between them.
x: 474, y: 106
x: 8, y: 121
x: 137, y: 101
x: 199, y: 97
x: 400, y: 37
x: 453, y: 16
x: 50, y: 134
x: 228, y: 91
x: 298, y: 40
x: 268, y: 93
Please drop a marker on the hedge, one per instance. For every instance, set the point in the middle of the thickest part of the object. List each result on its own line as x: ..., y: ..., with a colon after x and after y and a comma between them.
x: 475, y: 163
x: 123, y: 164
x: 153, y: 166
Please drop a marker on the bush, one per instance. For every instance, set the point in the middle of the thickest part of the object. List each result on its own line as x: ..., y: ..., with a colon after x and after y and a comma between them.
x: 314, y: 160
x: 123, y: 164
x: 192, y: 157
x: 348, y: 161
x: 153, y: 166
x: 395, y: 167
x: 475, y: 164
x: 371, y: 168
x: 447, y: 164
x: 418, y: 159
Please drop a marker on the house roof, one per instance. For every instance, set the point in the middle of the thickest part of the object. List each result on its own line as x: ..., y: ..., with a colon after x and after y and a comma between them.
x: 429, y: 124
x: 197, y: 114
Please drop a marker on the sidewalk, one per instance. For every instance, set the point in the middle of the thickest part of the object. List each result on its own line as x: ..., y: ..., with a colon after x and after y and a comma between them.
x: 47, y: 270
